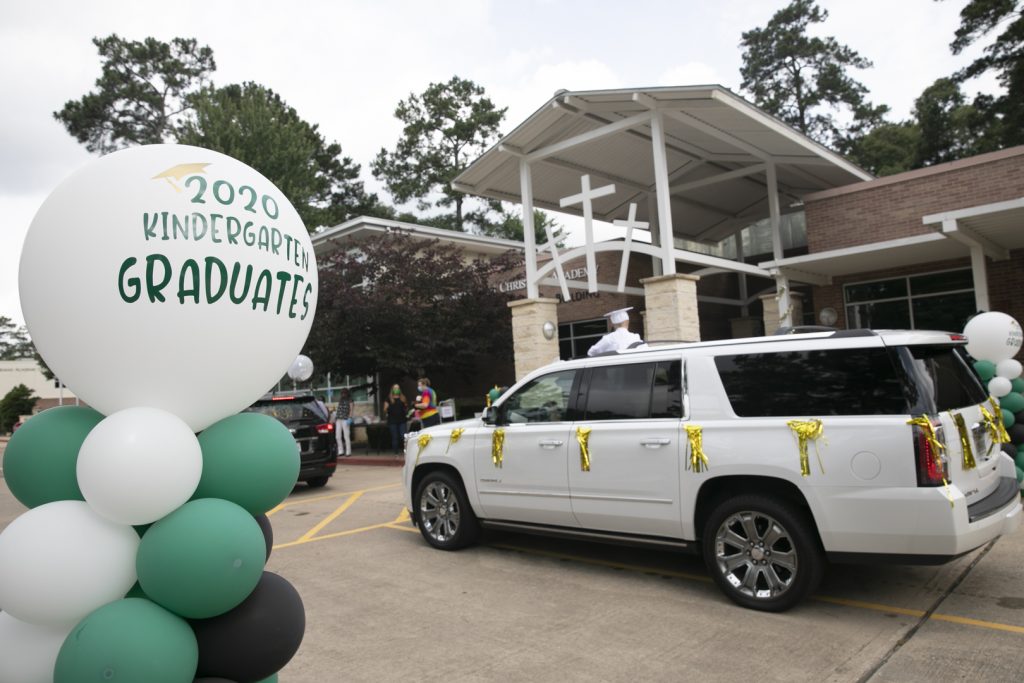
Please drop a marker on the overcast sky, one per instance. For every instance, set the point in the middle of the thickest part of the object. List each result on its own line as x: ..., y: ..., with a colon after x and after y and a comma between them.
x: 346, y: 64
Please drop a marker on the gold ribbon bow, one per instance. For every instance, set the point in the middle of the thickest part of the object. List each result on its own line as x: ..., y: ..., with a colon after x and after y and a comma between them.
x: 698, y: 458
x: 808, y: 430
x: 422, y: 442
x: 994, y: 420
x: 497, y: 446
x: 583, y: 437
x: 454, y: 438
x: 965, y: 441
x: 929, y: 433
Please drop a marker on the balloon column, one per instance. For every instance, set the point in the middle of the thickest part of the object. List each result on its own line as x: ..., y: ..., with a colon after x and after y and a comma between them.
x: 169, y: 287
x: 993, y: 339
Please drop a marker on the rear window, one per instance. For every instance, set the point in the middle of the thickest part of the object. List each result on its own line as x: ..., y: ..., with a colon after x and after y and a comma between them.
x: 290, y: 410
x: 940, y: 378
x: 813, y: 383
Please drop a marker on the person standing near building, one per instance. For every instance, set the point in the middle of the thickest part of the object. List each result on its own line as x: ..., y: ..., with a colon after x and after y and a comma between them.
x: 395, y: 408
x: 426, y: 404
x: 343, y: 423
x: 620, y: 337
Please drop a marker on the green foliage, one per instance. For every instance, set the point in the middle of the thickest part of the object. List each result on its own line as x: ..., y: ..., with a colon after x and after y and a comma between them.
x: 1004, y: 114
x: 254, y: 125
x: 397, y: 303
x: 153, y: 92
x: 14, y: 341
x: 950, y: 127
x: 17, y: 402
x: 143, y: 89
x: 802, y: 79
x: 445, y: 127
x: 889, y: 148
x: 510, y: 227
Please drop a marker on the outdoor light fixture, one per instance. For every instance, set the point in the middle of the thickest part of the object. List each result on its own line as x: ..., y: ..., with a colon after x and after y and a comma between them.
x: 549, y: 330
x: 828, y: 316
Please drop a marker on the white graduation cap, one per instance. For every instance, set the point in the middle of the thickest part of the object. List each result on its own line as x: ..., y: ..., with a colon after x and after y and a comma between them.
x: 619, y: 316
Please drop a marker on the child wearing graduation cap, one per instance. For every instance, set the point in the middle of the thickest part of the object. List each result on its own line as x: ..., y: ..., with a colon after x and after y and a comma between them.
x: 620, y: 337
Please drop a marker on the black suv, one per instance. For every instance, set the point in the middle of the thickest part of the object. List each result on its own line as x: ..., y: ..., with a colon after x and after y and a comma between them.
x: 306, y: 417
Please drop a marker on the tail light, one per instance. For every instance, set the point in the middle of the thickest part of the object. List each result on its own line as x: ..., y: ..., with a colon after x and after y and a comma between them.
x: 931, y: 465
x: 326, y: 428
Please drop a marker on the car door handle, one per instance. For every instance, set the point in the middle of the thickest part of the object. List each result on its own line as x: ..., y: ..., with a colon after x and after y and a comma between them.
x: 550, y: 443
x: 655, y: 443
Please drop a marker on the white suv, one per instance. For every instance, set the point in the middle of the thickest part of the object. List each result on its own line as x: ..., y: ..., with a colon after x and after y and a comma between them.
x: 767, y: 455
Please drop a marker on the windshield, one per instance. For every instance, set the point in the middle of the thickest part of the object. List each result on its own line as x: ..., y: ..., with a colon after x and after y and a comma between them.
x: 940, y: 379
x: 290, y: 411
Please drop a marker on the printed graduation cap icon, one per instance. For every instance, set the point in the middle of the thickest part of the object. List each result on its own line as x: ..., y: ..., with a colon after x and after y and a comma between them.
x: 178, y: 172
x: 619, y: 316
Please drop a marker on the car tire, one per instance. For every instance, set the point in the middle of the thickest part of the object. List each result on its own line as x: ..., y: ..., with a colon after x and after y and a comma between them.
x: 444, y: 516
x: 317, y: 482
x: 763, y: 553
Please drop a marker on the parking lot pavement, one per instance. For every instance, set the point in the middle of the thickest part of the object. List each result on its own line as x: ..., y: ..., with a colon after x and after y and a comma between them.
x: 381, y: 605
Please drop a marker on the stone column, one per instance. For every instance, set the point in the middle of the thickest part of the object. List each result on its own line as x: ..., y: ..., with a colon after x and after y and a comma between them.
x: 529, y: 346
x: 671, y: 302
x: 772, y: 314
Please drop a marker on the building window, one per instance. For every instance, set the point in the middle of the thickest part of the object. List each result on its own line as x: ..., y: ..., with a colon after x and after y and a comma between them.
x: 575, y: 338
x: 934, y: 301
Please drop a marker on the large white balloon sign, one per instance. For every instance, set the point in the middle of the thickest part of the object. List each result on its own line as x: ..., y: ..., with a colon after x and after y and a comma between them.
x: 168, y: 276
x: 993, y: 336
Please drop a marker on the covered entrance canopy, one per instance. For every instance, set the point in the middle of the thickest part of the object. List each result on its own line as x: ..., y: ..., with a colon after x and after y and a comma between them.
x: 698, y: 162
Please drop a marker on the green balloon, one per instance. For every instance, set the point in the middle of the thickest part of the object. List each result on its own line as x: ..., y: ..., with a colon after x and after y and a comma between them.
x: 1011, y: 403
x: 1020, y: 475
x: 128, y: 640
x: 1019, y: 460
x: 1009, y: 419
x: 1018, y: 385
x: 986, y: 369
x: 250, y: 459
x: 203, y: 559
x: 41, y: 457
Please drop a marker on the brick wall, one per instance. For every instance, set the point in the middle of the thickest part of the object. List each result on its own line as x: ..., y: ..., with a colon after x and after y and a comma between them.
x: 892, y: 207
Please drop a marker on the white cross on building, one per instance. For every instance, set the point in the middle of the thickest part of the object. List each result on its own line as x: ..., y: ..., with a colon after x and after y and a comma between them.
x: 584, y: 198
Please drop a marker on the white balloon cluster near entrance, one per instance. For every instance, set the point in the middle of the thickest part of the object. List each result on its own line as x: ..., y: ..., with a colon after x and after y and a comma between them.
x: 169, y: 287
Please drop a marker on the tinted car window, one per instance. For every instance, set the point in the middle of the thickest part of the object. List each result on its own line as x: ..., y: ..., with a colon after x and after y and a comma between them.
x: 806, y: 383
x: 545, y: 399
x: 620, y: 392
x: 940, y: 379
x: 667, y: 393
x: 290, y: 410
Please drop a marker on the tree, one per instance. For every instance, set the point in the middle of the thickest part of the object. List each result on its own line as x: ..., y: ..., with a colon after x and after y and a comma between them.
x: 510, y: 226
x: 14, y: 341
x: 951, y: 128
x: 1005, y: 57
x: 889, y: 148
x: 152, y: 92
x: 445, y: 127
x: 398, y: 304
x: 17, y: 402
x: 254, y: 125
x: 803, y: 79
x: 142, y: 91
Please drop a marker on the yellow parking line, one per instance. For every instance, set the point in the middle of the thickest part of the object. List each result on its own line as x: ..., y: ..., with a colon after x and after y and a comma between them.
x: 328, y: 536
x: 402, y: 528
x: 977, y: 622
x: 331, y: 517
x: 300, y: 501
x: 869, y: 606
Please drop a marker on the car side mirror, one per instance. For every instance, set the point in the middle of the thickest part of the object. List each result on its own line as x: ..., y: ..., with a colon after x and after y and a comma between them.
x: 491, y: 415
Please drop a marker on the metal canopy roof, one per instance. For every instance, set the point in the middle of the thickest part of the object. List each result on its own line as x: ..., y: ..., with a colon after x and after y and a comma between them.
x: 717, y: 144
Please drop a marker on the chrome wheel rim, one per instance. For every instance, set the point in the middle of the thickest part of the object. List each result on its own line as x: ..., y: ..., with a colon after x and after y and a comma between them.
x: 756, y: 555
x: 439, y: 511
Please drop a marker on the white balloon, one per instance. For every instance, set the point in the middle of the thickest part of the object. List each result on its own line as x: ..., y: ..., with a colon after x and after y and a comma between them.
x: 1009, y: 368
x: 999, y: 387
x: 139, y: 465
x: 301, y: 368
x: 61, y: 560
x: 29, y: 651
x: 993, y: 336
x: 168, y: 276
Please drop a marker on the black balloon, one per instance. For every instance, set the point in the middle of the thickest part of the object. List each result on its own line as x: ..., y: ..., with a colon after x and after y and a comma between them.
x: 268, y: 532
x: 1010, y: 450
x: 1016, y: 433
x: 256, y: 639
